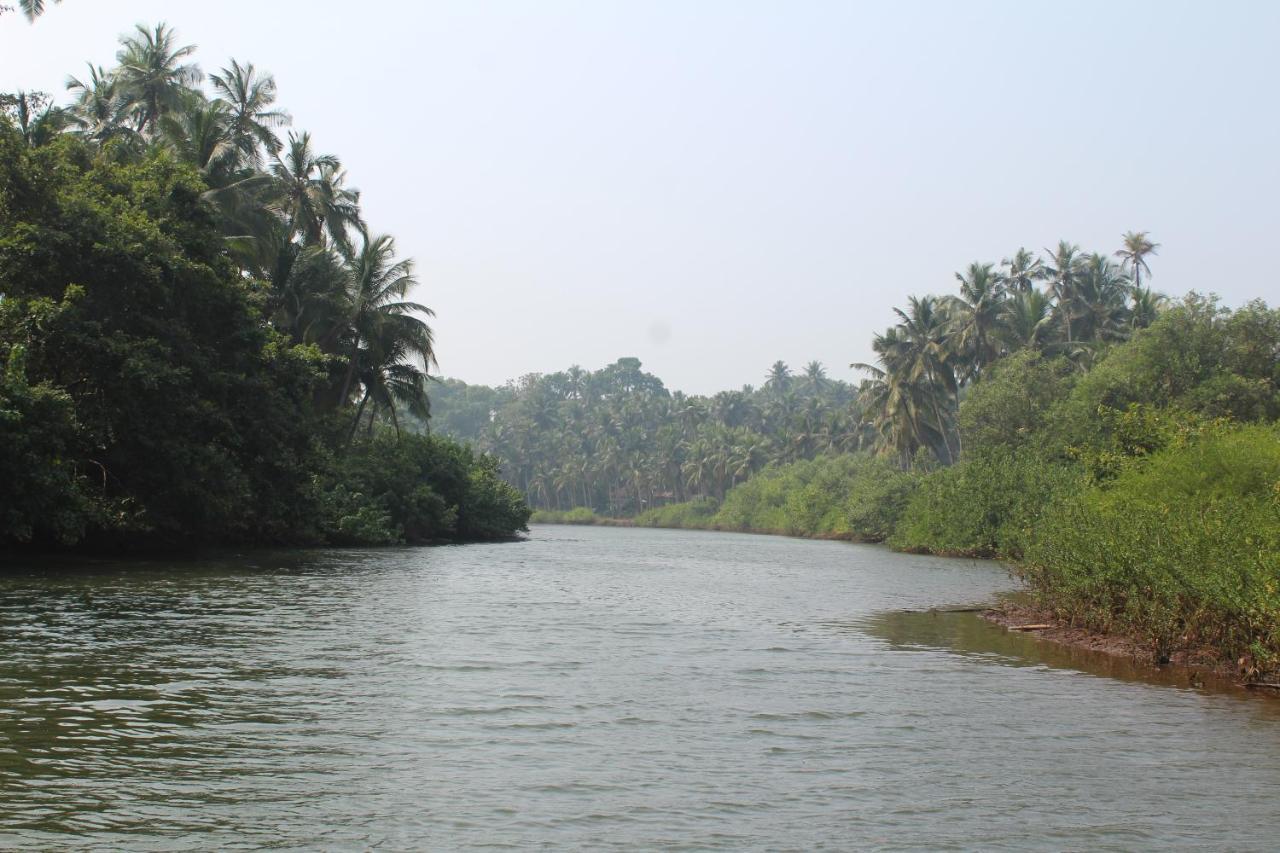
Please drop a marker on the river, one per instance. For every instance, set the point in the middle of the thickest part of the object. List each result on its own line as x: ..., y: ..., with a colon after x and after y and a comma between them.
x: 594, y: 688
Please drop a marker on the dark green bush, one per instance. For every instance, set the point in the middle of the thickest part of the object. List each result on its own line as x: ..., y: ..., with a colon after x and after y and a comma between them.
x: 417, y: 488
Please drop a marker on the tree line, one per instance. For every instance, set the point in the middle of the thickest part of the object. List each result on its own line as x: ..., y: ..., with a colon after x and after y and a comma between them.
x: 1064, y: 303
x: 201, y: 331
x: 616, y: 441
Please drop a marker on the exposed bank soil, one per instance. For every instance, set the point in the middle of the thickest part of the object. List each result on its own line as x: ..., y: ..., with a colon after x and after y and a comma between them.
x: 1194, y: 667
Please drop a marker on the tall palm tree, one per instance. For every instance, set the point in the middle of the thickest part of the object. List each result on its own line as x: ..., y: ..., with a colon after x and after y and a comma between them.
x: 99, y: 112
x: 778, y: 379
x: 1099, y: 308
x: 250, y: 95
x: 975, y: 317
x: 815, y: 378
x: 914, y: 391
x: 1145, y: 306
x: 311, y: 194
x: 36, y: 117
x: 1026, y: 321
x: 380, y: 324
x: 152, y: 75
x: 1062, y: 272
x: 199, y: 133
x: 1022, y: 271
x: 1133, y: 255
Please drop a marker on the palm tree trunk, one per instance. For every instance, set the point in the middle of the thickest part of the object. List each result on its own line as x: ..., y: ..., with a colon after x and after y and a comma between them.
x: 355, y: 422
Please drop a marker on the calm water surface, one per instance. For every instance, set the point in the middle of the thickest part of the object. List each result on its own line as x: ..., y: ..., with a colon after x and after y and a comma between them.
x: 592, y: 688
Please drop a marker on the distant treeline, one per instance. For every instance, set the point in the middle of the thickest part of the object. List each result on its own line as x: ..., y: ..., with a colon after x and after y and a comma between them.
x: 201, y: 339
x: 618, y: 442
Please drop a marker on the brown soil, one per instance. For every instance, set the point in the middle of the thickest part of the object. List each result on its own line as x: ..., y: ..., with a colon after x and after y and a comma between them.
x: 1197, y: 667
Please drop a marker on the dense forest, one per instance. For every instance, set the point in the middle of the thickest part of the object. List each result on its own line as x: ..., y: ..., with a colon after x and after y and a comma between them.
x: 202, y: 339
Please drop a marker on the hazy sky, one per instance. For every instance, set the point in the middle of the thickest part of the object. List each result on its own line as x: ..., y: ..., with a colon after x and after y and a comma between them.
x: 710, y: 186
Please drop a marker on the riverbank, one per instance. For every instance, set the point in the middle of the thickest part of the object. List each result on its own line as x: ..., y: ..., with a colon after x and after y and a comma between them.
x: 564, y: 518
x: 1190, y: 667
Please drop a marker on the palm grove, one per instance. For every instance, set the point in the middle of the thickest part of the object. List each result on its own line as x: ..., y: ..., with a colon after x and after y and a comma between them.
x: 203, y: 340
x: 616, y: 441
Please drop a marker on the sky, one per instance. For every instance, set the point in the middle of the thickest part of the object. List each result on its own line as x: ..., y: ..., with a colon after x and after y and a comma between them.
x: 712, y: 186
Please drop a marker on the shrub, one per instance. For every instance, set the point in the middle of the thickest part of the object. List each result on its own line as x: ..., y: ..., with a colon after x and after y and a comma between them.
x: 1183, y: 550
x: 577, y: 515
x: 417, y: 488
x: 985, y: 506
x: 695, y: 514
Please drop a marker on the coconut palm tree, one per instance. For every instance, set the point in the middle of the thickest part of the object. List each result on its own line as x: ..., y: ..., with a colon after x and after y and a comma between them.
x: 778, y: 379
x: 914, y: 391
x: 99, y: 112
x: 36, y: 117
x: 199, y: 133
x: 1099, y: 308
x: 311, y: 195
x: 1133, y: 255
x: 1026, y: 321
x: 975, y: 318
x: 1022, y: 271
x: 815, y: 378
x: 152, y: 76
x: 1145, y: 306
x: 1062, y: 272
x: 379, y: 322
x: 250, y: 95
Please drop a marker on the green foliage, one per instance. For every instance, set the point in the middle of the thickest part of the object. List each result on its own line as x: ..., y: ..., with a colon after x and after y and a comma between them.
x: 190, y: 338
x: 577, y: 515
x: 1196, y: 357
x: 1183, y: 550
x: 1012, y: 403
x: 849, y: 496
x: 877, y: 498
x: 985, y: 506
x: 189, y: 412
x: 43, y: 498
x: 617, y: 441
x: 695, y: 514
x: 416, y: 488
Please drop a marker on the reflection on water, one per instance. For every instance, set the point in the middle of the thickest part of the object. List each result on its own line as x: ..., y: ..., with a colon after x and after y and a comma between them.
x: 592, y: 688
x: 967, y: 633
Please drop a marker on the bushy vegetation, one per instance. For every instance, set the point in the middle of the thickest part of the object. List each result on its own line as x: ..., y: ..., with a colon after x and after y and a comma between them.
x: 577, y: 515
x: 416, y: 488
x: 201, y: 340
x: 849, y: 496
x: 1183, y: 550
x: 984, y: 506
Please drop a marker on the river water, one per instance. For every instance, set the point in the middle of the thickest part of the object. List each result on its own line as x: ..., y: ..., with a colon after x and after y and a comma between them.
x: 592, y: 688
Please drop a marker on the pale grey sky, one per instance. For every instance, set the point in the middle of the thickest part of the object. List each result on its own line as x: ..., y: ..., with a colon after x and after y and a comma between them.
x: 710, y: 186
